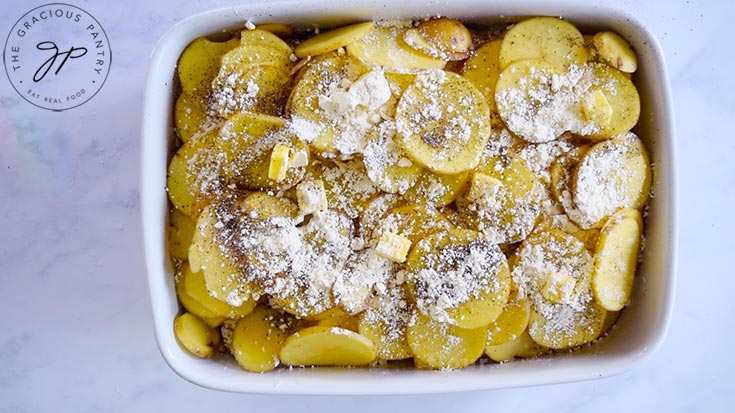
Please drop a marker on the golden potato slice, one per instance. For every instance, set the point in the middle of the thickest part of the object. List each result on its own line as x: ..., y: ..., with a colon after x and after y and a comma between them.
x: 195, y: 336
x: 613, y: 174
x: 483, y: 70
x: 320, y: 78
x: 386, y: 163
x: 458, y: 277
x: 511, y: 323
x: 443, y: 122
x: 548, y: 38
x: 267, y: 206
x: 522, y: 346
x: 282, y: 30
x: 266, y: 35
x: 385, y: 325
x: 615, y: 51
x: 330, y: 40
x: 562, y: 222
x: 194, y: 174
x: 327, y: 346
x: 413, y: 221
x: 180, y: 231
x: 199, y: 64
x: 444, y: 346
x: 436, y: 189
x: 557, y: 333
x: 244, y: 145
x: 622, y: 97
x: 562, y: 171
x: 258, y: 337
x: 442, y: 38
x: 189, y: 115
x: 222, y: 273
x: 247, y: 87
x: 507, y: 211
x: 195, y: 286
x: 341, y: 320
x: 194, y: 307
x: 616, y: 259
x: 348, y: 187
x: 385, y: 47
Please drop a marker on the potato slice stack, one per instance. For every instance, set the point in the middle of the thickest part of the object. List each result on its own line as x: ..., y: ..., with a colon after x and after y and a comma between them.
x: 398, y: 190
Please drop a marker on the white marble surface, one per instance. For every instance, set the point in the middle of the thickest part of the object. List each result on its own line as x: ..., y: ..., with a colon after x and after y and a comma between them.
x: 75, y: 328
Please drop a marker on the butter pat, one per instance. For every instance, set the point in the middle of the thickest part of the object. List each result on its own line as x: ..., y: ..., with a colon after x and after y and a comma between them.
x: 559, y: 288
x: 280, y: 159
x: 483, y: 188
x: 393, y: 247
x: 311, y: 196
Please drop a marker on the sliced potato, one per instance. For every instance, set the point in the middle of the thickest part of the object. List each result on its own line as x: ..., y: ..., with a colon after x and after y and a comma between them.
x: 483, y: 69
x: 189, y: 115
x: 458, y: 277
x: 436, y: 189
x: 615, y: 51
x: 386, y: 163
x: 244, y: 145
x: 258, y: 337
x: 443, y: 38
x: 512, y: 322
x: 522, y: 346
x: 330, y: 40
x: 507, y: 211
x: 548, y: 38
x: 616, y: 259
x: 348, y: 187
x: 385, y: 325
x: 372, y: 216
x: 622, y: 97
x: 262, y: 36
x: 327, y: 346
x: 414, y: 221
x: 194, y: 174
x: 560, y: 334
x: 444, y: 346
x: 195, y: 286
x: 443, y: 122
x: 282, y: 30
x: 267, y: 206
x: 180, y: 231
x: 195, y: 336
x: 196, y: 308
x: 199, y: 64
x: 613, y: 174
x: 385, y: 47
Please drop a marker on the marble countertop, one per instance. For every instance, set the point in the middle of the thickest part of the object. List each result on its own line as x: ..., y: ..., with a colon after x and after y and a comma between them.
x: 76, y: 332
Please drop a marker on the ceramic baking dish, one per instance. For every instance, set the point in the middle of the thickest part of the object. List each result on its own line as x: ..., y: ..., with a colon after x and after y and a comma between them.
x: 639, y: 331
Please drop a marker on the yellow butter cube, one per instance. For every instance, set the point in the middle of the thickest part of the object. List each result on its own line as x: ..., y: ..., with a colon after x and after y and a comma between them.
x: 483, y: 188
x: 597, y: 109
x: 280, y: 159
x: 559, y: 288
x: 393, y: 247
x: 311, y: 196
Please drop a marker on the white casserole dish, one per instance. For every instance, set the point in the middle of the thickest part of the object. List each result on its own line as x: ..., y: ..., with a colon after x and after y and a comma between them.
x: 638, y: 332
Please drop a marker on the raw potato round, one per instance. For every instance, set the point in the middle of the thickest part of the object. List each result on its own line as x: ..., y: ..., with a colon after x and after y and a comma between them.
x: 258, y: 337
x: 348, y: 187
x: 264, y: 37
x: 199, y: 64
x: 548, y: 38
x: 483, y: 70
x: 195, y: 336
x: 195, y: 286
x: 385, y: 47
x: 622, y: 96
x: 386, y: 164
x: 616, y: 259
x: 458, y: 277
x: 386, y: 325
x: 193, y: 174
x: 189, y: 115
x: 328, y: 41
x: 436, y: 189
x: 587, y: 327
x: 444, y: 346
x: 511, y: 323
x: 414, y: 221
x: 443, y: 38
x: 180, y: 231
x: 327, y: 346
x: 443, y: 122
x: 613, y: 174
x: 523, y: 346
